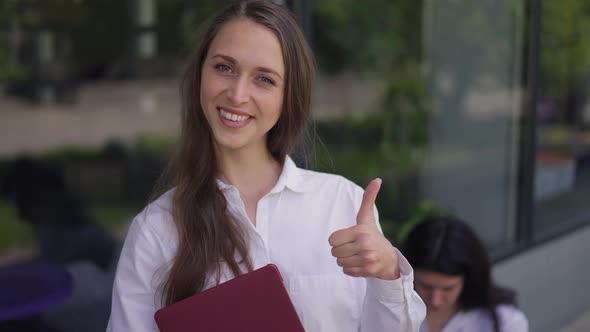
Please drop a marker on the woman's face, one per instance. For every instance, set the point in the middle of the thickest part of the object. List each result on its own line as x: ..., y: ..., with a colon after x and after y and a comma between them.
x: 242, y: 84
x: 439, y: 291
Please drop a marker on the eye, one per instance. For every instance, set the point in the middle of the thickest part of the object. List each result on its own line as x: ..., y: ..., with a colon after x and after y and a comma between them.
x: 223, y: 68
x: 266, y: 80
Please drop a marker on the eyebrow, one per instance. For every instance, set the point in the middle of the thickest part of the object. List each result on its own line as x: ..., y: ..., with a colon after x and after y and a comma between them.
x: 234, y: 61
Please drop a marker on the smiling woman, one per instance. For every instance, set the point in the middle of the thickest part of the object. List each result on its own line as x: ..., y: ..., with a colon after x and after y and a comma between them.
x: 238, y: 202
x: 243, y: 71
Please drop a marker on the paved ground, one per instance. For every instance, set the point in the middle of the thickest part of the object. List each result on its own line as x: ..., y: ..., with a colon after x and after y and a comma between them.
x: 580, y: 324
x: 119, y: 110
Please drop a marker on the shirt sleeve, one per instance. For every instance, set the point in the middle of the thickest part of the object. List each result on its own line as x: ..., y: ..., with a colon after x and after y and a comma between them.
x: 514, y: 320
x: 138, y: 276
x: 393, y: 305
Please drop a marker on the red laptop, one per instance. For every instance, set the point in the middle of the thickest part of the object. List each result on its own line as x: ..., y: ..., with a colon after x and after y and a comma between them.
x: 252, y: 302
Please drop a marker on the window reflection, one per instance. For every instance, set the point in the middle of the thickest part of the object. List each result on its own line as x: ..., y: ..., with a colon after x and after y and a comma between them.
x: 562, y: 179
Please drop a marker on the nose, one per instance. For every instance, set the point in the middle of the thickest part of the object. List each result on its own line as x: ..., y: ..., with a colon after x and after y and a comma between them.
x: 436, y: 299
x: 239, y: 91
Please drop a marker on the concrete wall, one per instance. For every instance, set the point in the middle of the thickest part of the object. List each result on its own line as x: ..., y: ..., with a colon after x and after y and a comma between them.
x: 552, y: 280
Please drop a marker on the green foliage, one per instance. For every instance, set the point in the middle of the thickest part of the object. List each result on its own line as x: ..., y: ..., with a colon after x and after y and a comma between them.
x: 371, y: 35
x: 70, y: 152
x: 13, y: 232
x: 155, y: 145
x: 193, y: 22
x: 9, y: 70
x: 169, y: 27
x: 17, y: 235
x: 113, y: 216
x: 355, y: 149
x: 479, y: 28
x: 399, y: 201
x: 56, y: 14
x: 405, y: 119
x: 89, y: 34
x: 100, y: 36
x: 565, y: 55
x: 419, y: 212
x: 377, y: 38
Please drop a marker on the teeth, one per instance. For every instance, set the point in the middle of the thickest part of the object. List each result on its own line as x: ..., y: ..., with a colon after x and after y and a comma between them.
x: 233, y: 117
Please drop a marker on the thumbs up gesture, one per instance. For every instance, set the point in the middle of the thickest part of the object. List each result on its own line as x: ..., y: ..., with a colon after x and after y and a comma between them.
x: 361, y: 250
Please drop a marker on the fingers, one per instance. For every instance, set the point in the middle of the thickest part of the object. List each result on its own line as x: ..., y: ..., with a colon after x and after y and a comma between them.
x: 380, y: 263
x: 362, y: 244
x: 360, y: 260
x: 358, y: 271
x: 342, y: 236
x: 362, y: 250
x: 346, y: 250
x: 366, y: 214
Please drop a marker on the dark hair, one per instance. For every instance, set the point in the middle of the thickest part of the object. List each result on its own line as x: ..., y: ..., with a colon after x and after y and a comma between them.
x: 207, y: 233
x: 447, y: 245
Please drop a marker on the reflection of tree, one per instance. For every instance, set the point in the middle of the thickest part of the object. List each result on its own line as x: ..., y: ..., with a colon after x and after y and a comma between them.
x: 192, y: 21
x: 89, y: 35
x: 465, y: 40
x: 9, y: 69
x: 471, y: 43
x: 565, y: 56
x: 477, y: 37
x: 381, y: 39
x: 371, y: 35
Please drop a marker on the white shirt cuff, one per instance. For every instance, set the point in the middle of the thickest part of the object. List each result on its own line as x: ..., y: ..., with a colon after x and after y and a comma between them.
x: 394, y: 291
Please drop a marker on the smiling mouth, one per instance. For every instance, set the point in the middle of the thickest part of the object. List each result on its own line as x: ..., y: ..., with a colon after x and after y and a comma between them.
x: 232, y: 116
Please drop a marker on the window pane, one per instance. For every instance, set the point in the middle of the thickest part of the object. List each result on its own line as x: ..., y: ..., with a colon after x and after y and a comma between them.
x: 475, y: 52
x: 426, y: 95
x: 562, y: 179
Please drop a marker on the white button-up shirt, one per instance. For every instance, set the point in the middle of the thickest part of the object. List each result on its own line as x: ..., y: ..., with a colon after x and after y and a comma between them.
x: 293, y: 223
x: 510, y: 319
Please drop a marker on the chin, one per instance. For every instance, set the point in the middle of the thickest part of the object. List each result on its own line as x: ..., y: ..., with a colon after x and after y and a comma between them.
x: 230, y: 145
x: 433, y: 310
x: 235, y: 142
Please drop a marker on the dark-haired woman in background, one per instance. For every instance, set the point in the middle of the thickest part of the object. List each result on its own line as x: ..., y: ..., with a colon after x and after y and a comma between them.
x: 453, y: 277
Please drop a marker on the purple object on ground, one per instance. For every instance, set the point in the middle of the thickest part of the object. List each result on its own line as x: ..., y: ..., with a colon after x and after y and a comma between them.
x: 29, y: 288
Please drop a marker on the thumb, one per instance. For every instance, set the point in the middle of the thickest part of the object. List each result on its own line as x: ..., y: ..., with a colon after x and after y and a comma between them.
x: 366, y: 214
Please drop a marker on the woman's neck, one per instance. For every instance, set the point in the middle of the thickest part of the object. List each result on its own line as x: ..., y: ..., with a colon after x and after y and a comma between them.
x: 437, y: 320
x: 254, y: 174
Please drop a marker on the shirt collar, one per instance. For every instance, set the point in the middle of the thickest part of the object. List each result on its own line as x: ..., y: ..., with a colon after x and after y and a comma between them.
x: 291, y: 177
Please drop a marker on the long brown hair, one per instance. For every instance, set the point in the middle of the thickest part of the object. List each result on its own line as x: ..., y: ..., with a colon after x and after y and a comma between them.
x: 207, y: 233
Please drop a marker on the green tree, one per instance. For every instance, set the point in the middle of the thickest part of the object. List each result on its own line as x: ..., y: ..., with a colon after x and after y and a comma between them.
x: 371, y: 35
x: 565, y: 55
x: 381, y: 39
x: 193, y: 21
x: 9, y: 68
